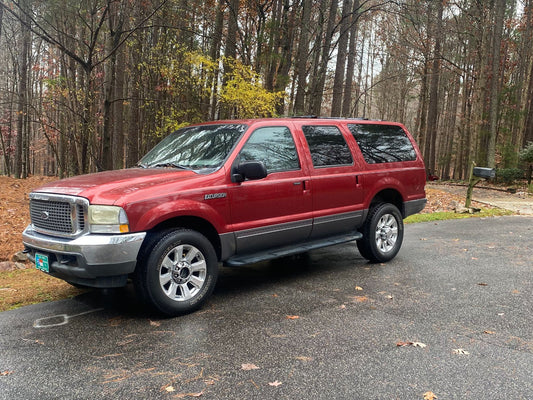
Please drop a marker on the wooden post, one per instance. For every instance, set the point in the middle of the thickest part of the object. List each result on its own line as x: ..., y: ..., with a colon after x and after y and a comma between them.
x: 473, y: 180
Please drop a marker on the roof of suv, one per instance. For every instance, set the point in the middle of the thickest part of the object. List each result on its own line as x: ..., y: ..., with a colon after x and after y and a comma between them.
x: 310, y: 118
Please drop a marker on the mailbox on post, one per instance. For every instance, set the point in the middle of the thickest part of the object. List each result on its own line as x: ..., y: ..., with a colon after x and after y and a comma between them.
x: 486, y: 173
x: 476, y: 175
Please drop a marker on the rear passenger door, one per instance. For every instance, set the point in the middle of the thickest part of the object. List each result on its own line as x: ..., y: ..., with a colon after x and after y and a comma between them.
x: 275, y: 210
x: 337, y: 195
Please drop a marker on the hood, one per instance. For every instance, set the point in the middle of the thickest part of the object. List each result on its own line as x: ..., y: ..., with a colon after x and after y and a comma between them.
x: 110, y: 186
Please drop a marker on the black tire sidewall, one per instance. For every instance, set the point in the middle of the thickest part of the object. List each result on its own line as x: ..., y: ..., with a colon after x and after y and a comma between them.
x: 368, y: 244
x: 149, y: 277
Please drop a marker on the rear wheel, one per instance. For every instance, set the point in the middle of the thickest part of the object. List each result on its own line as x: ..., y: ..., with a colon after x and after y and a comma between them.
x: 382, y: 233
x: 178, y: 273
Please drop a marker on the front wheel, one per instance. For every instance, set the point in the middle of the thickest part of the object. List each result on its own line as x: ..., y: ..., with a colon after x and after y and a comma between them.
x: 178, y: 272
x: 382, y: 233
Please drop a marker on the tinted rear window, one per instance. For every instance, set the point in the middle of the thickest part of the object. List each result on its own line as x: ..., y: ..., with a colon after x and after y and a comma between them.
x: 327, y: 146
x: 383, y: 143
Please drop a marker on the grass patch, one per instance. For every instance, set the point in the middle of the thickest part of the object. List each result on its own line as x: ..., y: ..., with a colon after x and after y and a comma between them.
x: 30, y: 286
x: 444, y: 215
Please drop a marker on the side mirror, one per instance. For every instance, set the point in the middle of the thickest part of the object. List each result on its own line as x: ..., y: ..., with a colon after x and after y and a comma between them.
x: 249, y: 170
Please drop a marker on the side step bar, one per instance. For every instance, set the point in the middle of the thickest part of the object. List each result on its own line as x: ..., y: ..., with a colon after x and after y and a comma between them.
x: 290, y: 250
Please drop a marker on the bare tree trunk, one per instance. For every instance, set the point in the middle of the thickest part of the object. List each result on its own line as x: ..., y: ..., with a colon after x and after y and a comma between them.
x: 118, y: 112
x: 287, y: 29
x: 317, y: 90
x: 301, y: 64
x: 495, y: 81
x: 20, y: 153
x: 273, y: 45
x: 350, y: 68
x: 2, y: 142
x: 528, y: 125
x: 338, y: 81
x: 528, y: 104
x: 214, y: 54
x: 431, y: 131
x: 231, y: 48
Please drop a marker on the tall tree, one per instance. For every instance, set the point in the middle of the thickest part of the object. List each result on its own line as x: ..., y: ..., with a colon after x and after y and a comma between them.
x: 350, y: 67
x: 302, y: 57
x: 431, y: 130
x: 500, y: 6
x: 340, y: 67
x: 319, y: 80
x: 21, y: 167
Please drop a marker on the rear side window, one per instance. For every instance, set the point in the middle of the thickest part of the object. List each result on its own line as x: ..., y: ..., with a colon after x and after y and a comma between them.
x: 274, y: 146
x: 327, y: 146
x: 383, y: 143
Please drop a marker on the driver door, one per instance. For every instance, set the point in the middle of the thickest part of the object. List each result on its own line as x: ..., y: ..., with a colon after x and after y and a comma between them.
x: 276, y: 210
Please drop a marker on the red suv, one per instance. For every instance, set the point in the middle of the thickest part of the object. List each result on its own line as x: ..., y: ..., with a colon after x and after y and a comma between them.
x: 235, y: 192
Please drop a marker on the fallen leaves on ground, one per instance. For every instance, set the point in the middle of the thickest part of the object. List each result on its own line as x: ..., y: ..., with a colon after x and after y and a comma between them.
x: 275, y: 383
x: 6, y: 373
x: 184, y: 395
x: 15, y: 211
x: 293, y: 317
x: 408, y: 343
x: 249, y: 367
x: 460, y: 351
x: 359, y: 299
x: 430, y: 396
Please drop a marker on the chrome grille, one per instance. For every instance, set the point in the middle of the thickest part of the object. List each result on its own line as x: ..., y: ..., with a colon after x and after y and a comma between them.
x: 80, y: 217
x: 58, y: 215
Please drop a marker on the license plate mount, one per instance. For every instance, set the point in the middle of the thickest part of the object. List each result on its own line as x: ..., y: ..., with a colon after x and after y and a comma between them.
x: 41, y: 262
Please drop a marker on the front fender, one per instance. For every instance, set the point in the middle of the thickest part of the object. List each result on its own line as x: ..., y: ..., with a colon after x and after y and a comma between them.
x: 146, y: 217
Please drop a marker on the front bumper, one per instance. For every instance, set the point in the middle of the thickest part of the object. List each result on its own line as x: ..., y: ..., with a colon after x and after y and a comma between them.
x: 89, y: 260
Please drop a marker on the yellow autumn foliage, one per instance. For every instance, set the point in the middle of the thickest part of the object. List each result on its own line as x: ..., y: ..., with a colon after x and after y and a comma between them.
x: 245, y: 95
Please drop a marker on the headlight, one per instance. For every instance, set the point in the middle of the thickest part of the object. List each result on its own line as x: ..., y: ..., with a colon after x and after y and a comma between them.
x: 108, y: 219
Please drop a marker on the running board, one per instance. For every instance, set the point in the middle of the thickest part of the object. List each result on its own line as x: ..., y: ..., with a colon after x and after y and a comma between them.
x: 285, y: 251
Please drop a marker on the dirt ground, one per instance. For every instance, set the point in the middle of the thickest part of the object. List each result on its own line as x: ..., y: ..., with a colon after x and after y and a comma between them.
x: 14, y: 211
x: 520, y: 201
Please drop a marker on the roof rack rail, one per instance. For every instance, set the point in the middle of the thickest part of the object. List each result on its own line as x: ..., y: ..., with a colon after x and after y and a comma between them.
x: 340, y: 118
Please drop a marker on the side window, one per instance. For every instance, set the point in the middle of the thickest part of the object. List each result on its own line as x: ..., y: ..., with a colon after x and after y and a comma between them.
x: 383, y: 143
x: 327, y: 146
x: 274, y: 146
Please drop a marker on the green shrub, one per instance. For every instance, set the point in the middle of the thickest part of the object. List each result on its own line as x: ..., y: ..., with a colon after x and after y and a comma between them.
x: 509, y: 175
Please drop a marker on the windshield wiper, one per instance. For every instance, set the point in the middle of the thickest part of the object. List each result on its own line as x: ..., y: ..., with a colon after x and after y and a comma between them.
x: 170, y: 164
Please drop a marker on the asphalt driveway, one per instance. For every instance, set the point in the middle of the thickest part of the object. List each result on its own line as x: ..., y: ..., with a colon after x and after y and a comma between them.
x: 449, y: 317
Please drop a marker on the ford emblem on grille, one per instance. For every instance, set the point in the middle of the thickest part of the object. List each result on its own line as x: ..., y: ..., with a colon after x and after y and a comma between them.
x: 45, y: 215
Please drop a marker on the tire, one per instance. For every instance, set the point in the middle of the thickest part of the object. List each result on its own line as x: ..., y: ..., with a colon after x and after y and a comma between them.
x: 382, y: 233
x: 177, y: 271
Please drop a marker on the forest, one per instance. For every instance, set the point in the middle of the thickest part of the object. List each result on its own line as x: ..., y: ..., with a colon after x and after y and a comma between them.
x: 91, y: 85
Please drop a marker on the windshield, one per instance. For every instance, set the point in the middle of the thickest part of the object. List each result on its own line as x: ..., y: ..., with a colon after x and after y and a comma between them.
x: 196, y: 148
